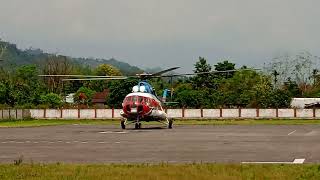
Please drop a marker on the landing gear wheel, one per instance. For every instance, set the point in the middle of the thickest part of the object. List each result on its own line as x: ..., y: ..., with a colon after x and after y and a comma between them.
x: 123, y: 125
x: 137, y: 126
x: 170, y: 124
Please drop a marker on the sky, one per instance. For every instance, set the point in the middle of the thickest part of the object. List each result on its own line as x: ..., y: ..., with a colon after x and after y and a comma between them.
x: 165, y: 33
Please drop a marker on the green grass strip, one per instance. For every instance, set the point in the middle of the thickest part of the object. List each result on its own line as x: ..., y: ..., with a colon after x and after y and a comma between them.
x: 55, y: 122
x: 159, y: 171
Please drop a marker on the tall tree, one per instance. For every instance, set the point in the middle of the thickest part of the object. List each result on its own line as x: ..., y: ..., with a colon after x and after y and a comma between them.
x: 56, y: 65
x: 225, y: 66
x: 299, y: 68
x: 202, y: 80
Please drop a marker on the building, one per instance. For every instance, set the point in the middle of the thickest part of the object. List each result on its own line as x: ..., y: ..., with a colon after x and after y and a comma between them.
x: 305, y: 103
x: 99, y: 99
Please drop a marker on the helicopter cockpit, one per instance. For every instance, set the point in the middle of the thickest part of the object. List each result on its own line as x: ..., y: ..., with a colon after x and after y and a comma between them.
x: 144, y: 87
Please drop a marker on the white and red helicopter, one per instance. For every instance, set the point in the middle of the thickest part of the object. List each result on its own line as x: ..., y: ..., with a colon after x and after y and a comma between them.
x: 142, y: 104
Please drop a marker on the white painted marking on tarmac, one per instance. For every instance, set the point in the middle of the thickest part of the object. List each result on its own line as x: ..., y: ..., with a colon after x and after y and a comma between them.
x: 84, y: 142
x: 122, y: 132
x: 117, y: 142
x: 101, y: 142
x: 296, y: 161
x: 292, y: 132
x: 103, y: 132
x: 111, y: 132
x: 4, y: 142
x: 299, y: 161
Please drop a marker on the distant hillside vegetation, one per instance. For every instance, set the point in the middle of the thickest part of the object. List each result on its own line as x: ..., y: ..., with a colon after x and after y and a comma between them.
x: 14, y: 57
x: 125, y: 68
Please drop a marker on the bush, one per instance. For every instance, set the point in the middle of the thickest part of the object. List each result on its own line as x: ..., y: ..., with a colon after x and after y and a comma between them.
x: 84, y: 96
x: 25, y: 106
x: 51, y: 100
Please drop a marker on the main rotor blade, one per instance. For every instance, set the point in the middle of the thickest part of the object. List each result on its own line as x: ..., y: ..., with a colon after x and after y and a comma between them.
x: 95, y: 79
x: 164, y: 71
x: 200, y: 73
x: 88, y: 76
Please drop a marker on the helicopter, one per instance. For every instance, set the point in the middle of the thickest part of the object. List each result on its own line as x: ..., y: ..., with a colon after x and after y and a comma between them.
x: 142, y: 104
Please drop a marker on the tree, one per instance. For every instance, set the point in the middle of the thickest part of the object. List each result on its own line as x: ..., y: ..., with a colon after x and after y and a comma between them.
x: 84, y: 96
x: 56, y: 65
x: 189, y: 98
x: 107, y: 70
x: 279, y: 99
x: 293, y: 88
x: 3, y: 93
x: 25, y: 87
x: 51, y: 100
x: 202, y: 80
x: 225, y: 66
x: 299, y: 68
x: 246, y: 88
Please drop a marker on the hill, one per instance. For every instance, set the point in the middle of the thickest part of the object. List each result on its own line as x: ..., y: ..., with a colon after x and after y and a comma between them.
x: 14, y: 57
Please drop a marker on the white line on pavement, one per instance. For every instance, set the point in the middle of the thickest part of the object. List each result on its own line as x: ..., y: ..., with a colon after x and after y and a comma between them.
x: 299, y: 161
x: 112, y: 132
x: 296, y: 161
x: 292, y: 132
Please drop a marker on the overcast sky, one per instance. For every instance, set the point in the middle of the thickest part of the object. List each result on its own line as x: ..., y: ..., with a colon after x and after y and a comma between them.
x: 164, y: 33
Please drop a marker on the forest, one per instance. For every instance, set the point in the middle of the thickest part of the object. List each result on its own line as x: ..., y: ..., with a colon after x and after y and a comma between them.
x: 272, y: 86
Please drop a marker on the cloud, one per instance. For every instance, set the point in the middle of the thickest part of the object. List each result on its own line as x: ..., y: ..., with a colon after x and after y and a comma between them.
x: 166, y: 32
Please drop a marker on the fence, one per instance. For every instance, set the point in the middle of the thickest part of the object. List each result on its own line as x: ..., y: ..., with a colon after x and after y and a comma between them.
x: 172, y: 113
x: 14, y: 113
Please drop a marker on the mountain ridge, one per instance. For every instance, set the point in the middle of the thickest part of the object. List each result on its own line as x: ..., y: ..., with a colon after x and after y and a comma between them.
x: 13, y: 57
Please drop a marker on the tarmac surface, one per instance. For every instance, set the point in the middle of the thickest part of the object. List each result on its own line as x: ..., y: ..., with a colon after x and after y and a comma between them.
x: 187, y: 143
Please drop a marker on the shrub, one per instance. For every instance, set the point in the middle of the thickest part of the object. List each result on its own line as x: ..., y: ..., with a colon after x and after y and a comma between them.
x: 51, y: 100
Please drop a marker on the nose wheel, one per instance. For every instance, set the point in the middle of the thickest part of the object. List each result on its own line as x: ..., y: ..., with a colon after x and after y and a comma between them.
x: 123, y: 124
x: 137, y: 126
x: 169, y: 123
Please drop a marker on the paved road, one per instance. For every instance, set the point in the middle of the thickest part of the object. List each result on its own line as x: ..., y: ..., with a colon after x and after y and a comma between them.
x: 105, y: 144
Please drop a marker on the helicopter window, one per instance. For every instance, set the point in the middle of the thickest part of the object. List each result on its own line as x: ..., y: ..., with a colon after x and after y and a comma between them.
x: 127, y: 99
x: 134, y: 99
x: 140, y: 99
x: 135, y: 89
x: 142, y: 89
x: 147, y: 101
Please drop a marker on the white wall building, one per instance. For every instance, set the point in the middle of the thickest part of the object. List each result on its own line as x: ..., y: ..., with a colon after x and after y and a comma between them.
x: 302, y: 102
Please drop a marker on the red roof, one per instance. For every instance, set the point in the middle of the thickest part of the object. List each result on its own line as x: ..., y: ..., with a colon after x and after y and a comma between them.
x: 100, y: 97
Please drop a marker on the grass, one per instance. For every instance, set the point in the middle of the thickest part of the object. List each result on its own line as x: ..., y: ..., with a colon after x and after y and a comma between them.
x: 55, y: 122
x: 248, y: 122
x: 159, y: 171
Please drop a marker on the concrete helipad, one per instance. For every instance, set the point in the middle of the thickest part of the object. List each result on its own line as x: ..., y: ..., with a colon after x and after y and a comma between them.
x: 110, y: 144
